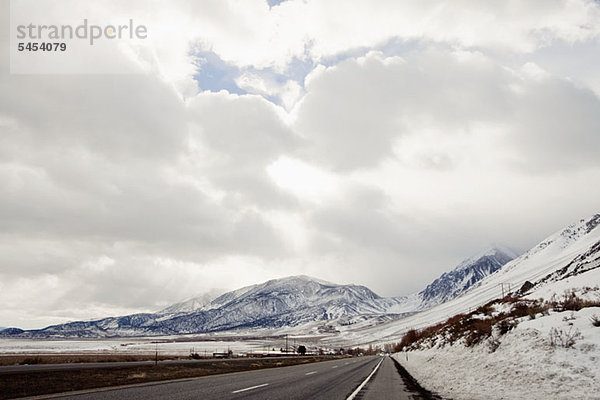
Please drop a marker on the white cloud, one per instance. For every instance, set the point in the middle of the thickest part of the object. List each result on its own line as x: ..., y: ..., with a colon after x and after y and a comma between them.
x: 255, y: 35
x: 383, y: 168
x: 288, y: 92
x: 303, y: 180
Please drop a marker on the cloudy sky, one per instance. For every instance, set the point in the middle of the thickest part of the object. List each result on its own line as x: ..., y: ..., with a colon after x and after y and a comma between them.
x: 377, y: 143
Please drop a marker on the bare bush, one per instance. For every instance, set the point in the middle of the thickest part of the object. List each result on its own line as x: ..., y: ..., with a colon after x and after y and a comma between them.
x: 571, y: 302
x: 410, y: 337
x: 566, y: 339
x: 477, y: 330
x: 493, y: 343
x: 506, y: 325
x: 571, y: 317
x: 471, y: 329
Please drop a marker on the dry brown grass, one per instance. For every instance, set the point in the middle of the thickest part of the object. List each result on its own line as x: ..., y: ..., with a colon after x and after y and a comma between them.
x: 77, y: 358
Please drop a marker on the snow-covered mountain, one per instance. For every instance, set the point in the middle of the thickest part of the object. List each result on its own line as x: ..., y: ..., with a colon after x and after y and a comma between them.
x: 280, y: 302
x: 192, y: 304
x: 286, y: 302
x: 551, y: 349
x: 453, y: 283
x: 568, y: 259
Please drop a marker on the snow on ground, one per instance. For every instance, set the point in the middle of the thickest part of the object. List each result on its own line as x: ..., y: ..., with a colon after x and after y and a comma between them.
x: 581, y: 284
x: 552, y: 254
x: 530, y: 362
x: 129, y: 346
x: 524, y: 366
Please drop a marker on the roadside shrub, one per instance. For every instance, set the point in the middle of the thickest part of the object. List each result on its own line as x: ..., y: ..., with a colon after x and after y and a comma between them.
x: 571, y: 302
x: 521, y: 309
x: 566, y: 339
x: 410, y: 337
x: 472, y: 331
x: 477, y: 331
x: 493, y: 343
x: 506, y: 325
x: 485, y: 309
x: 571, y: 317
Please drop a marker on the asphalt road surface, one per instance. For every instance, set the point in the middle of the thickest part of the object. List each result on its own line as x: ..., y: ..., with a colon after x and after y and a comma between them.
x: 331, y: 380
x: 386, y: 384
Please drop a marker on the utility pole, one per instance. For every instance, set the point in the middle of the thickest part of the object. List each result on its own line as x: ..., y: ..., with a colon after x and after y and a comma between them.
x: 156, y: 356
x: 507, y: 291
x: 286, y: 343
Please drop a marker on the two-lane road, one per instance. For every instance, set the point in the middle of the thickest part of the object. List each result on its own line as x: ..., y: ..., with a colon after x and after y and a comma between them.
x: 331, y: 380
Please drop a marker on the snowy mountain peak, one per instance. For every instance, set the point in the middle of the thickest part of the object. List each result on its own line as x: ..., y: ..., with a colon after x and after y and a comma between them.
x: 453, y: 283
x: 276, y: 303
x: 216, y: 298
x: 496, y: 251
x: 192, y: 304
x: 295, y: 282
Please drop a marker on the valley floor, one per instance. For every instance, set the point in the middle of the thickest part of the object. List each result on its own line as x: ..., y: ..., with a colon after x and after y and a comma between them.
x: 525, y: 365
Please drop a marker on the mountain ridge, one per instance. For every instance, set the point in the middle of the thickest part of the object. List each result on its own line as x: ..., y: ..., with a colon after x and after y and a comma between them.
x: 470, y: 271
x: 571, y: 252
x: 289, y: 301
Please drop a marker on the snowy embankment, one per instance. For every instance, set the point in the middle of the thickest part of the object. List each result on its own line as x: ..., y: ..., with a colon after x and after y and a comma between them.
x: 555, y: 355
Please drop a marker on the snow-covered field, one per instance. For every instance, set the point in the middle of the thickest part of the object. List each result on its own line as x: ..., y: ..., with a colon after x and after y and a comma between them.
x: 131, y: 346
x: 250, y: 341
x: 524, y: 366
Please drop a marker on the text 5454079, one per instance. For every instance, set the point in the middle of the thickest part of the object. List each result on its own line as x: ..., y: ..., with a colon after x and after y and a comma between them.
x: 43, y: 46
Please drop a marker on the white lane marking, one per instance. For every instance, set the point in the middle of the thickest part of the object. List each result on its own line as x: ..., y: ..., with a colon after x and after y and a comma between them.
x: 364, y: 382
x: 250, y: 388
x: 346, y: 363
x: 335, y: 366
x: 311, y: 372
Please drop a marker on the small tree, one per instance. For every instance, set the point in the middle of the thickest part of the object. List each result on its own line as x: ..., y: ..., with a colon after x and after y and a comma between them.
x: 302, y: 350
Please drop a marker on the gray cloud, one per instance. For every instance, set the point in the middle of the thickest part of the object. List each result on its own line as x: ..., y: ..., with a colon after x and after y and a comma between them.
x: 556, y: 127
x: 125, y: 193
x: 242, y: 135
x: 354, y: 112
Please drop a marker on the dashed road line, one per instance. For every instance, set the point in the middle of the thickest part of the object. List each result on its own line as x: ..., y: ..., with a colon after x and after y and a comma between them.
x: 250, y: 388
x: 311, y: 372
